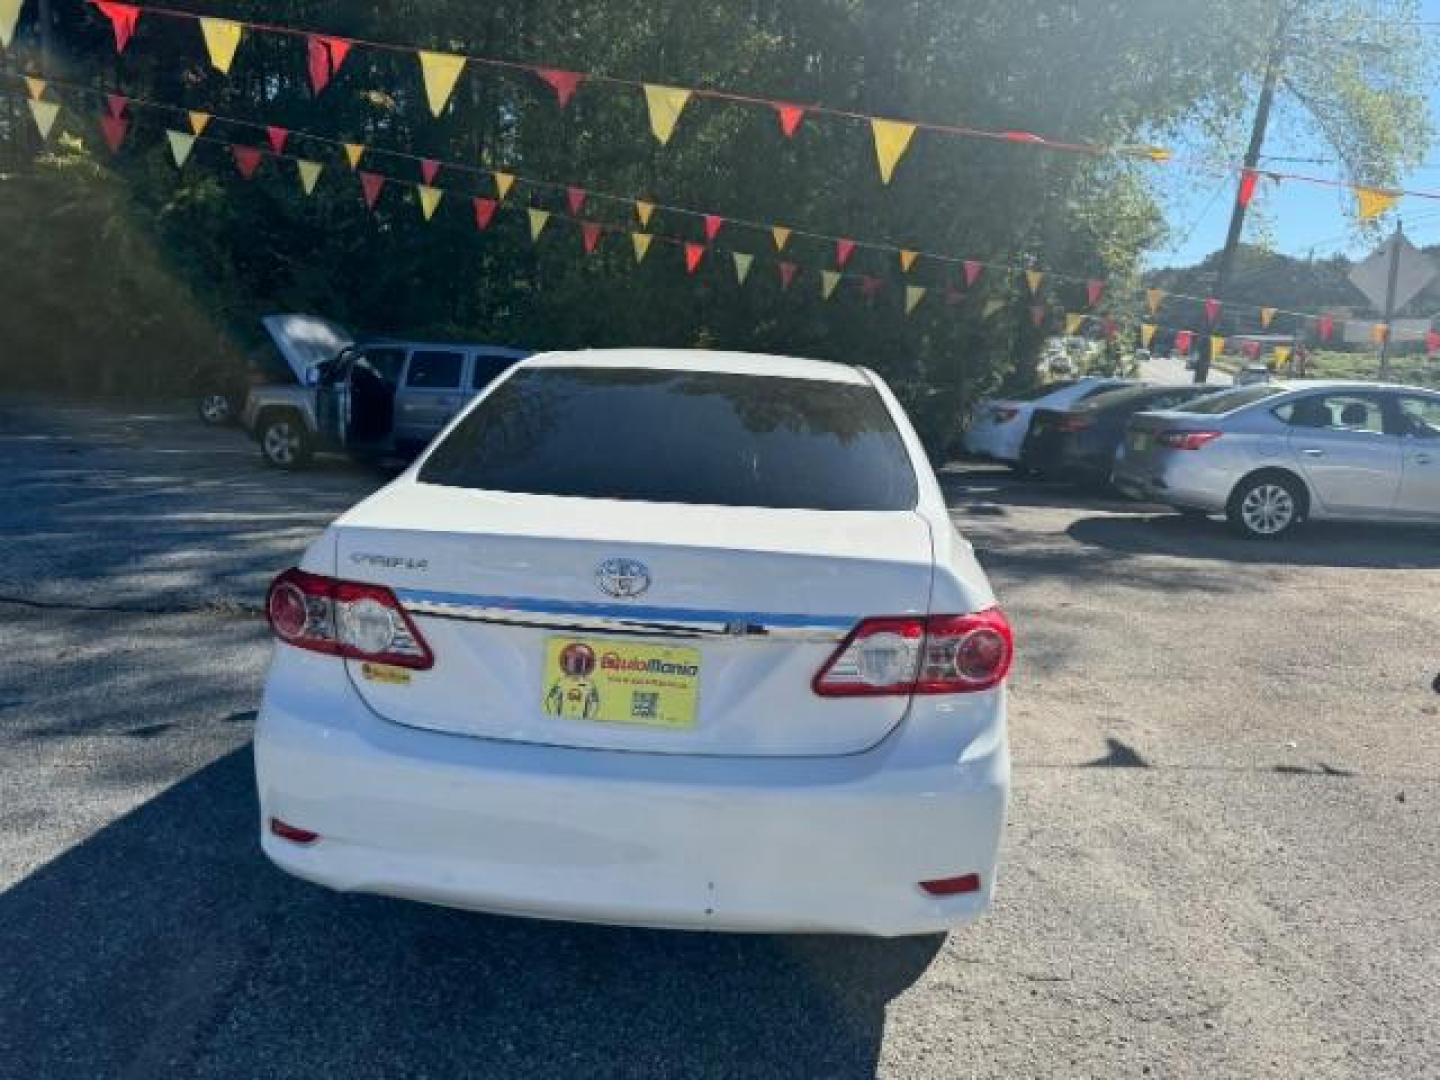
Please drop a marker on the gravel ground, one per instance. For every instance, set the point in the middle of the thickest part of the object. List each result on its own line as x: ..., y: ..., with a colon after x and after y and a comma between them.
x: 1221, y: 860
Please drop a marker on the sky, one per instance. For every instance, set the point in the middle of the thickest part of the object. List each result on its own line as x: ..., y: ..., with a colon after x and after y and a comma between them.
x: 1294, y: 218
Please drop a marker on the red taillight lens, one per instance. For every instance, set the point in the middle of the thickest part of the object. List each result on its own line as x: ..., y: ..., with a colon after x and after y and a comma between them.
x: 351, y: 619
x: 1074, y: 423
x: 293, y: 833
x: 1186, y: 440
x: 942, y: 654
x: 1003, y: 416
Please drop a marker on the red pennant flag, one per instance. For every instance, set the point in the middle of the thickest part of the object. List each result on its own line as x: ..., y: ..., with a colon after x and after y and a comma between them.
x: 870, y: 286
x: 589, y: 235
x: 123, y: 18
x: 325, y: 55
x: 693, y: 254
x: 575, y: 198
x: 1248, y: 179
x: 562, y: 82
x: 790, y: 117
x: 712, y: 225
x: 247, y: 159
x: 370, y: 185
x: 277, y: 137
x: 1110, y: 329
x: 1094, y: 289
x: 843, y: 250
x: 787, y: 274
x: 1325, y: 326
x: 114, y: 105
x: 1212, y: 310
x: 429, y: 167
x: 953, y: 295
x: 972, y: 271
x: 1251, y: 349
x: 1037, y: 314
x: 1183, y: 338
x: 1432, y: 342
x: 113, y: 128
x: 484, y: 211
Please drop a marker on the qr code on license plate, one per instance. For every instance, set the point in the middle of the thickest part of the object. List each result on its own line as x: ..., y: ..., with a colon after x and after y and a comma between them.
x: 644, y: 706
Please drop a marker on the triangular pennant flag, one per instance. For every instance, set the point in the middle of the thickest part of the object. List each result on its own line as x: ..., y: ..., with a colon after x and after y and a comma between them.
x: 504, y: 181
x: 247, y: 159
x: 325, y: 55
x: 589, y: 235
x: 1034, y: 278
x: 181, y: 143
x: 1325, y: 326
x: 693, y: 254
x: 44, y: 113
x: 353, y: 152
x: 538, y: 219
x: 113, y: 128
x: 742, y: 265
x: 562, y: 82
x: 1072, y: 322
x: 1282, y: 355
x: 370, y: 185
x: 828, y: 280
x: 870, y: 286
x: 1212, y: 310
x: 309, y: 172
x: 1266, y: 314
x: 991, y: 307
x: 484, y: 211
x: 907, y: 259
x: 439, y: 70
x: 1248, y: 178
x: 221, y: 39
x: 1379, y: 332
x: 789, y: 117
x: 575, y: 199
x: 1432, y: 342
x: 712, y: 225
x: 972, y: 271
x: 1094, y: 289
x: 1153, y: 298
x: 429, y: 169
x: 1183, y: 341
x: 642, y: 245
x: 891, y: 139
x: 123, y: 18
x: 1250, y: 349
x: 1037, y: 314
x: 781, y: 235
x: 843, y: 250
x: 115, y: 104
x: 34, y: 87
x: 1147, y: 334
x: 1372, y: 202
x: 9, y: 16
x: 787, y: 274
x: 643, y: 210
x: 429, y: 200
x: 198, y: 120
x: 1217, y: 345
x: 913, y: 295
x: 276, y: 137
x: 665, y: 104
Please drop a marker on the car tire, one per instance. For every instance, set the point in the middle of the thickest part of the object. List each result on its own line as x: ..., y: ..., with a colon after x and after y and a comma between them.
x: 1266, y: 506
x: 285, y: 441
x: 216, y: 409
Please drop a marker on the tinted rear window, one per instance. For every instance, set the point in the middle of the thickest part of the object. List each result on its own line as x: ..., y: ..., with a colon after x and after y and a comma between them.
x: 1229, y: 400
x: 487, y: 369
x: 682, y: 437
x: 434, y: 370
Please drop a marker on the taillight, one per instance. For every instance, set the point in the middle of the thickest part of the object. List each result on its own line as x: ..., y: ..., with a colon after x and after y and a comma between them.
x: 908, y: 654
x: 1074, y: 423
x: 1186, y: 440
x: 351, y: 619
x: 1003, y: 416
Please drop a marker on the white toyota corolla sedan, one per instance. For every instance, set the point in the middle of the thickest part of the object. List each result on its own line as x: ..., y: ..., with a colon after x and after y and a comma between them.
x: 654, y: 637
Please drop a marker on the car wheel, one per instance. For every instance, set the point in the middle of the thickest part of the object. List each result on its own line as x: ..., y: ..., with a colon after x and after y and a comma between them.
x: 284, y: 442
x: 1266, y: 507
x: 215, y: 409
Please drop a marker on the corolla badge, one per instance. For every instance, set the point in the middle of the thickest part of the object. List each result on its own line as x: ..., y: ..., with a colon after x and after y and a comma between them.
x: 623, y: 578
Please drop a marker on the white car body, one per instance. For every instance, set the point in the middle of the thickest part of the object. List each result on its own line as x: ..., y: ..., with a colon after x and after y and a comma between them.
x: 779, y: 810
x: 999, y: 426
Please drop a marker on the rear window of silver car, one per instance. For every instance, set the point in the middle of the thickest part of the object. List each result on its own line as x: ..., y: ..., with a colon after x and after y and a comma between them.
x: 1229, y: 400
x: 707, y: 438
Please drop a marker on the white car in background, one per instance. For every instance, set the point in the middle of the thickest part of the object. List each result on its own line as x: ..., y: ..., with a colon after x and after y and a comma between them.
x: 655, y: 637
x: 1000, y: 425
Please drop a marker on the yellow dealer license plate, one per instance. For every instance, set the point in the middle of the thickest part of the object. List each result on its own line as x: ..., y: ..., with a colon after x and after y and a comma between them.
x: 621, y: 682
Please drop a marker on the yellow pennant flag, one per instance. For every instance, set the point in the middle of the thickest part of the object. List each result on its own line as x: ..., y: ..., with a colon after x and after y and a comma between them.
x: 198, y: 120
x: 1072, y: 322
x: 504, y: 181
x: 1217, y: 345
x: 742, y: 265
x: 991, y: 307
x: 35, y: 86
x: 440, y: 71
x: 181, y: 143
x: 221, y: 39
x: 1147, y: 334
x: 309, y: 172
x: 44, y: 113
x: 1372, y: 202
x: 781, y: 235
x: 891, y: 139
x: 1266, y: 314
x: 913, y: 295
x: 1282, y: 355
x: 665, y: 104
x: 353, y: 152
x: 907, y: 259
x: 1033, y: 278
x: 1153, y: 298
x: 538, y: 218
x: 828, y: 280
x: 429, y: 200
x: 9, y: 16
x: 642, y: 245
x: 643, y: 210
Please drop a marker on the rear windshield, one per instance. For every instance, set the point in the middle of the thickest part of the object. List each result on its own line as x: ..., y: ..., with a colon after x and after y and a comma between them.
x: 1229, y: 400
x: 681, y: 437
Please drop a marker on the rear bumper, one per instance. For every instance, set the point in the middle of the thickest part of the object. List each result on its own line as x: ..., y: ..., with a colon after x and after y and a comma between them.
x: 782, y: 844
x: 1179, y: 478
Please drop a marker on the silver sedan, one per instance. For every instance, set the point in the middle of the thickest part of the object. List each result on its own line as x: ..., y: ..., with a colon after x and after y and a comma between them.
x: 1272, y: 456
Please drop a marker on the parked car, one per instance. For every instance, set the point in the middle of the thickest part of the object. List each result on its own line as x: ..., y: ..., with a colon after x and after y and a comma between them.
x: 1251, y: 374
x: 655, y: 637
x: 1079, y: 443
x: 998, y: 428
x: 1272, y: 455
x: 374, y: 400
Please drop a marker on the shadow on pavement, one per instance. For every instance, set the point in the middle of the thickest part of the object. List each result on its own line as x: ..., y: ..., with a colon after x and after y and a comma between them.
x: 165, y: 944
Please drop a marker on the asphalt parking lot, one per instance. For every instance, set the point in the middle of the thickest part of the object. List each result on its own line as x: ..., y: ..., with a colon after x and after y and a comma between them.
x: 1223, y: 857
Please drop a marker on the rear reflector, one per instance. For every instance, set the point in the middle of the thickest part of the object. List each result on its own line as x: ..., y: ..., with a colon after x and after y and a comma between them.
x: 289, y: 832
x: 952, y: 886
x: 911, y: 654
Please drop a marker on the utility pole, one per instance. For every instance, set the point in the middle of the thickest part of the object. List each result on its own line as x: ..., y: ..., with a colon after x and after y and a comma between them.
x: 1389, y: 323
x: 1252, y: 159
